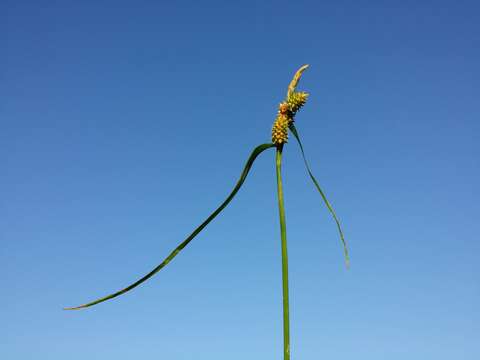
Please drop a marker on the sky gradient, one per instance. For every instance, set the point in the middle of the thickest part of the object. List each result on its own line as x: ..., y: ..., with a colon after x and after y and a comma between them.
x: 124, y: 124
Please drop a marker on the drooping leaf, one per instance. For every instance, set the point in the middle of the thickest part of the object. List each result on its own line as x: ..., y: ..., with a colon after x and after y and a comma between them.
x: 322, y: 194
x: 257, y: 151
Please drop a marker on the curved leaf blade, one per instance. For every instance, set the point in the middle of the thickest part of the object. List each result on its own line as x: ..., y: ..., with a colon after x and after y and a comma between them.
x: 322, y: 194
x: 257, y: 151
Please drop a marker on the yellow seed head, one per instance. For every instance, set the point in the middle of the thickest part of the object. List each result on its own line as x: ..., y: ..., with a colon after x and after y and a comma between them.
x: 280, y: 129
x: 296, y: 100
x: 283, y: 108
x: 288, y: 108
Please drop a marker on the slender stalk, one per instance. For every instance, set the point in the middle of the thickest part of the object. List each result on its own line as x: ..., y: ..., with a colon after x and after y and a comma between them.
x: 283, y: 232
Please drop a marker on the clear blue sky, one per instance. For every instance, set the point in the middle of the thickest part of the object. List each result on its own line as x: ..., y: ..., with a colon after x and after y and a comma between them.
x: 123, y: 124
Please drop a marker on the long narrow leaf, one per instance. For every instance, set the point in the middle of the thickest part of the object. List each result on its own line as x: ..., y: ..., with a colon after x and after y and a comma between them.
x: 257, y: 151
x: 324, y: 197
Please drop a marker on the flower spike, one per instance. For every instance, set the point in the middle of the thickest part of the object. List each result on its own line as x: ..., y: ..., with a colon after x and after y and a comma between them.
x: 288, y: 109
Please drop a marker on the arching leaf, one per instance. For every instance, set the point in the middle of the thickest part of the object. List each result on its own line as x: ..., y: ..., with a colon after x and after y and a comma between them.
x: 322, y: 194
x: 257, y: 151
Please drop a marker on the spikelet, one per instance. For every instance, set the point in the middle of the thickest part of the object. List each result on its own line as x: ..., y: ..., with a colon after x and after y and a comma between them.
x: 296, y: 100
x: 288, y: 109
x: 280, y: 126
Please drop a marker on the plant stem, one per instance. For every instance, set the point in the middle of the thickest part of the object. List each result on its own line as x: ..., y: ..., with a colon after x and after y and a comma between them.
x: 283, y: 232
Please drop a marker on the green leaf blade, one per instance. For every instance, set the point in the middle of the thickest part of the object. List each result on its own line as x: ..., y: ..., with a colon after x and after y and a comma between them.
x: 322, y: 194
x: 257, y: 151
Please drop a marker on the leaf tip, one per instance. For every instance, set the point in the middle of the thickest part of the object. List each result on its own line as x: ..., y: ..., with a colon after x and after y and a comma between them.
x: 74, y: 308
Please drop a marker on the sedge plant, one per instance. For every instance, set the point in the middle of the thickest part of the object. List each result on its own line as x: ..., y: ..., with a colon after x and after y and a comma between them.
x: 284, y: 122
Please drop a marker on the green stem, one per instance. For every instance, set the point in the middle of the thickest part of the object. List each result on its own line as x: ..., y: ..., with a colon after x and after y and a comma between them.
x: 283, y: 232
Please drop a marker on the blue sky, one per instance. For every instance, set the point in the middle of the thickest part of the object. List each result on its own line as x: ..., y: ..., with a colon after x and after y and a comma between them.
x: 123, y: 124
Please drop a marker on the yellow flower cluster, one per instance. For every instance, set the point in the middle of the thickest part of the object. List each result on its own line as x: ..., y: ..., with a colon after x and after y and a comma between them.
x: 296, y: 100
x: 280, y: 127
x: 285, y: 116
